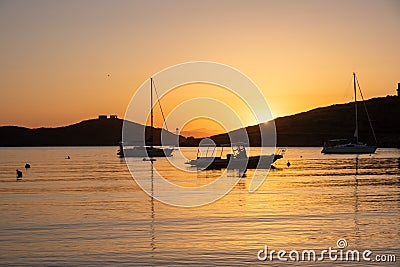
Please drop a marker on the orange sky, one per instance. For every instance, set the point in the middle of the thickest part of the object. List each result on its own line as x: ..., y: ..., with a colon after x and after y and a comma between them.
x: 65, y: 61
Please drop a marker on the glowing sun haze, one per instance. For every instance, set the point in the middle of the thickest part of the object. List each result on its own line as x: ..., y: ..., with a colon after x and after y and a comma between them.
x: 65, y: 61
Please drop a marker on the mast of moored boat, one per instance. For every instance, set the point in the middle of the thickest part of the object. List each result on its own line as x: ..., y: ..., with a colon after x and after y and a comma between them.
x: 355, y: 106
x: 151, y: 112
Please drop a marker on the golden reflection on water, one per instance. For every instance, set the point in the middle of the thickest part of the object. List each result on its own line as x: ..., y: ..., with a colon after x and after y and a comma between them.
x: 89, y: 211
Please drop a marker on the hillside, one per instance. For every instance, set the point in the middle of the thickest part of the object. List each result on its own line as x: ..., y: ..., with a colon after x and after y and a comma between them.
x: 94, y: 132
x: 309, y: 128
x: 313, y: 127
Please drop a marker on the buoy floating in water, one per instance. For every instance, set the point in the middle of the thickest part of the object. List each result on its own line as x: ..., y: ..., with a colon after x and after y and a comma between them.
x: 19, y: 174
x: 27, y: 166
x: 288, y: 164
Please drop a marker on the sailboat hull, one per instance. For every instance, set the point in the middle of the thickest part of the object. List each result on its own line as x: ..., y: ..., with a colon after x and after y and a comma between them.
x: 349, y: 149
x: 342, y: 146
x: 143, y: 152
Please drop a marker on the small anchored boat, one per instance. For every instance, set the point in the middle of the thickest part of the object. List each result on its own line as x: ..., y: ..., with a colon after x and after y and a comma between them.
x: 354, y: 146
x: 146, y: 151
x: 143, y: 151
x: 238, y: 159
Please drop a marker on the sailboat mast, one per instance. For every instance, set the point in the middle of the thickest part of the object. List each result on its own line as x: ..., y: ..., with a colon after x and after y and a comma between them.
x: 151, y: 112
x: 355, y: 106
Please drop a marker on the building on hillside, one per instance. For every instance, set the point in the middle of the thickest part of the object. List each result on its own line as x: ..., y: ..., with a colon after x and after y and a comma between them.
x: 104, y: 117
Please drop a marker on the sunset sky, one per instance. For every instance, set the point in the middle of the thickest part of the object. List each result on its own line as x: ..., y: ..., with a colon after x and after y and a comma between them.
x: 65, y: 61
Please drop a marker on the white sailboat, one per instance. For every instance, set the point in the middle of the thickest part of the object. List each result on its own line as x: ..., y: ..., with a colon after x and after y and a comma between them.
x: 344, y: 146
x: 146, y: 151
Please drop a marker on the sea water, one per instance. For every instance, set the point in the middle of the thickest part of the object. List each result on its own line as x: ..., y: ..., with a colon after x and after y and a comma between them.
x: 88, y: 210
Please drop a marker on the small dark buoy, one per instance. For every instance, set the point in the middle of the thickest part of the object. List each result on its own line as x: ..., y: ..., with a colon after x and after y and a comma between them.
x: 27, y: 166
x: 288, y: 164
x: 19, y: 174
x: 68, y: 157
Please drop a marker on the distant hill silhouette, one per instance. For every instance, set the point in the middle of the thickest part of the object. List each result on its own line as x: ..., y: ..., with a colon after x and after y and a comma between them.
x: 309, y: 128
x: 94, y: 132
x: 201, y: 132
x: 313, y: 127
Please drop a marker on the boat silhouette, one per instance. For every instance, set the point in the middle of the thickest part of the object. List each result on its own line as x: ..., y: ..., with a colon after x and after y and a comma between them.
x: 238, y: 159
x: 146, y: 151
x: 353, y: 146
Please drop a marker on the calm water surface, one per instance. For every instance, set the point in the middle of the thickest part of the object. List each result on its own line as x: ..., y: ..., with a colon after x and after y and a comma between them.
x: 88, y: 210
